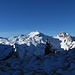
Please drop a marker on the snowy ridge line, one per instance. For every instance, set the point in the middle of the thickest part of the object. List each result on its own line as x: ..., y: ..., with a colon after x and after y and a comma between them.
x: 61, y: 41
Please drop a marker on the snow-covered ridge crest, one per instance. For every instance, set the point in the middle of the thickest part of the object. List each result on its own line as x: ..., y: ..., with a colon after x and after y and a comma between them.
x: 62, y: 40
x: 32, y: 38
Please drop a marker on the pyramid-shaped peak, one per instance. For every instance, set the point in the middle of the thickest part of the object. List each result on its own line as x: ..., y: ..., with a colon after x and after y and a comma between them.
x: 36, y: 33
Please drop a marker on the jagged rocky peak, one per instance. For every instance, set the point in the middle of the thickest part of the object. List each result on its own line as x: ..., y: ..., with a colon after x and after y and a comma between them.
x: 36, y: 33
x: 64, y: 34
x: 67, y: 41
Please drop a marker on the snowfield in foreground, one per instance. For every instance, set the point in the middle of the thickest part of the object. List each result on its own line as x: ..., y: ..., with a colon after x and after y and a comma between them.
x: 25, y: 55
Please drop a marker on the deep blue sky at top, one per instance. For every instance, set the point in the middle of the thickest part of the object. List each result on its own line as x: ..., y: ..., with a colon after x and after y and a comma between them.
x: 47, y: 16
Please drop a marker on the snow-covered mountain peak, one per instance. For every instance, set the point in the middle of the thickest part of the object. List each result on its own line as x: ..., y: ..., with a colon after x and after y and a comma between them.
x: 36, y: 33
x: 67, y: 41
x: 63, y: 35
x: 32, y: 38
x: 62, y: 40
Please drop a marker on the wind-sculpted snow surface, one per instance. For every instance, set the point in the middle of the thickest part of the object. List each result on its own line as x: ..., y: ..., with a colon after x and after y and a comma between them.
x: 25, y: 55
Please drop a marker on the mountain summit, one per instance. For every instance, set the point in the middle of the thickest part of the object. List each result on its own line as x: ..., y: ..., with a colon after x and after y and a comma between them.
x: 67, y: 41
x: 36, y: 33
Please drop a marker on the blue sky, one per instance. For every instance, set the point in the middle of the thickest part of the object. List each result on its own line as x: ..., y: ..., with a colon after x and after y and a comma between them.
x: 47, y: 16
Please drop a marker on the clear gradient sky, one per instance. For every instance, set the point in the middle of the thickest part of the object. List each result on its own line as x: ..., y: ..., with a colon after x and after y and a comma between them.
x: 47, y: 16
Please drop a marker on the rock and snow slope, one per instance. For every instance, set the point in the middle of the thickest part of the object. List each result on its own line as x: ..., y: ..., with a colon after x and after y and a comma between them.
x: 30, y: 59
x: 62, y: 40
x: 68, y: 41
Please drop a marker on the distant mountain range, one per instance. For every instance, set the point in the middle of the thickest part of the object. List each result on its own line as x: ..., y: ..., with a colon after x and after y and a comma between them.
x: 61, y: 41
x: 25, y: 55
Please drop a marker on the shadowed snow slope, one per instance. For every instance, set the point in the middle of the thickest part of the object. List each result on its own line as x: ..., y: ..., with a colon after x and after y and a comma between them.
x: 62, y: 63
x: 24, y: 55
